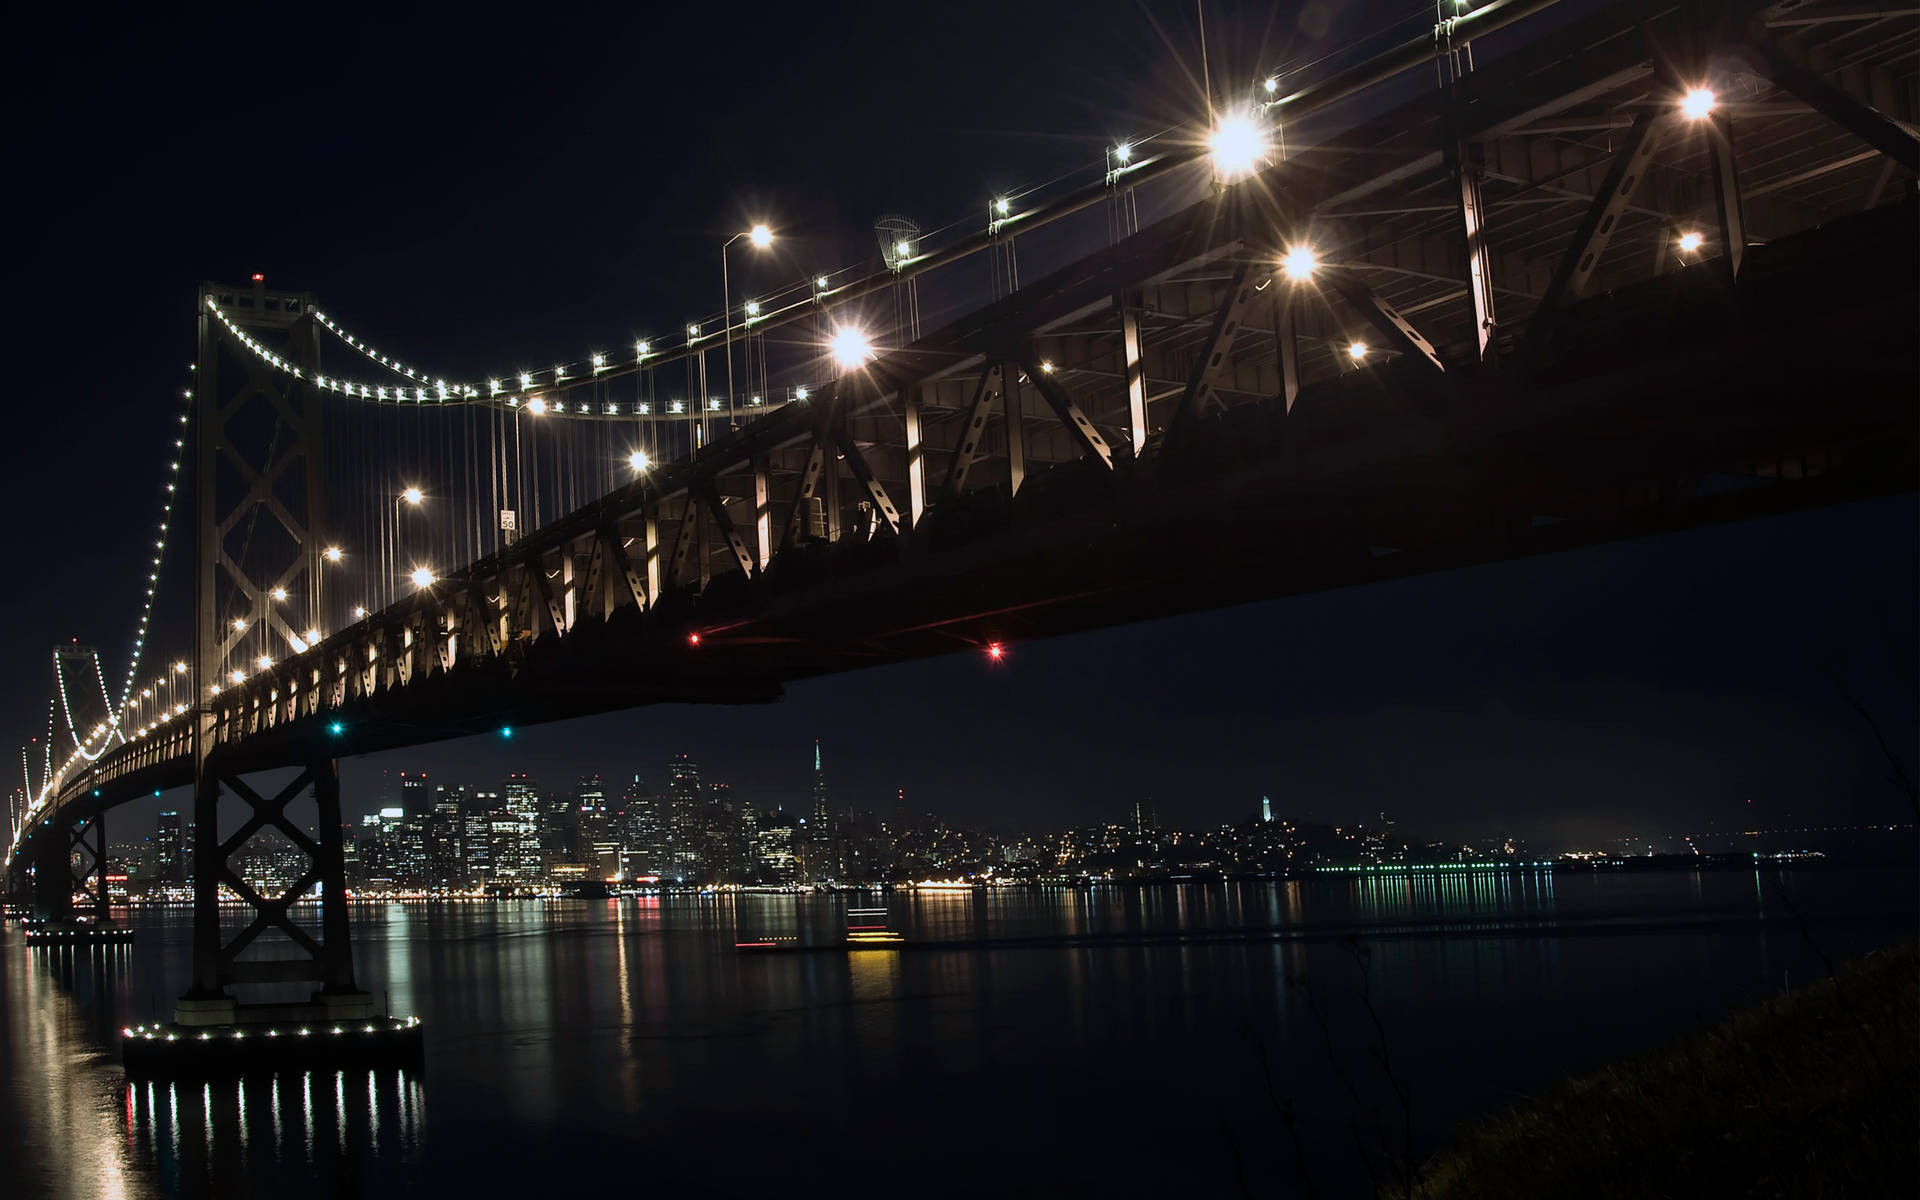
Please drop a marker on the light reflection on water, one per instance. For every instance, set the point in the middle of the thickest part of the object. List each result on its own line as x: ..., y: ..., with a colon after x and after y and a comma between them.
x: 576, y: 1047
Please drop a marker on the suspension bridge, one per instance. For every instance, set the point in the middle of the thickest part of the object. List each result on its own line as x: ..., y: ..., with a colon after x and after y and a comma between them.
x: 1636, y: 269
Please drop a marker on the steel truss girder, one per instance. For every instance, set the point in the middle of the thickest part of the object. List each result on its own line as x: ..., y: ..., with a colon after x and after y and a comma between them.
x: 973, y: 430
x: 804, y: 487
x: 1210, y: 367
x: 1082, y: 430
x: 1729, y: 215
x: 862, y: 472
x: 1602, y: 218
x: 717, y: 510
x: 1393, y: 326
x: 1864, y: 121
x: 1465, y: 160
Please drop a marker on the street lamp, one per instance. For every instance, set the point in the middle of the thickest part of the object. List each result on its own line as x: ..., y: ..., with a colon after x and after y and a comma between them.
x: 411, y: 495
x: 760, y: 237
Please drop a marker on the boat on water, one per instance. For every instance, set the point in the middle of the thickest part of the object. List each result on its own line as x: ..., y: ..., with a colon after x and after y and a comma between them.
x: 867, y: 929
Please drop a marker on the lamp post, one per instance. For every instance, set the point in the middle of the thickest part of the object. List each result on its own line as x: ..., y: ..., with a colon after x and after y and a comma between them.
x: 761, y: 237
x: 413, y: 496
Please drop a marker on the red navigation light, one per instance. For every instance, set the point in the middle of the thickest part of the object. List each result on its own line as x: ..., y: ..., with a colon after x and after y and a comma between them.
x: 693, y: 639
x: 996, y: 651
x: 259, y: 278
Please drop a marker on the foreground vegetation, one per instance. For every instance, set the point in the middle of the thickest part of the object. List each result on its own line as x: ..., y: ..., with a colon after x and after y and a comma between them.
x: 1815, y: 1093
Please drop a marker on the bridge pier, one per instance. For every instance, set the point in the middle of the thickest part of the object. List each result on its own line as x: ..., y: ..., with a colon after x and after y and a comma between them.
x: 217, y: 961
x: 69, y: 861
x: 214, y: 1030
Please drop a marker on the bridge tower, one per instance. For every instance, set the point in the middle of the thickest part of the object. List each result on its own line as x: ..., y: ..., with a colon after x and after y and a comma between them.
x: 259, y: 527
x: 71, y: 858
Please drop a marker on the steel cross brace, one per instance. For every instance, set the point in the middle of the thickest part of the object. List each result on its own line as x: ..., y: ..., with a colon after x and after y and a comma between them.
x: 1867, y: 123
x: 1610, y: 203
x: 1387, y: 319
x: 1069, y: 413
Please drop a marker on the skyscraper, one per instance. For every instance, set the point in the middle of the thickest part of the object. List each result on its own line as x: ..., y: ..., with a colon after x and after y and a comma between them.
x: 824, y: 863
x: 686, y: 817
x: 775, y: 849
x: 446, y: 865
x: 646, y: 832
x: 520, y: 858
x: 476, y: 835
x: 170, y: 862
x: 1143, y: 821
x: 415, y: 796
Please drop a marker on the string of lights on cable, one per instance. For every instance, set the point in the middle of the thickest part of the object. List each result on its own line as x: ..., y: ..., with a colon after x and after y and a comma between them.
x: 176, y: 454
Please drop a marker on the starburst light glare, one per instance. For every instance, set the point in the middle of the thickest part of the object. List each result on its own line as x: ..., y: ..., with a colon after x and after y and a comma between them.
x: 851, y: 348
x: 1691, y: 241
x: 413, y: 495
x: 599, y: 360
x: 800, y: 393
x: 1300, y: 264
x: 313, y: 637
x: 279, y: 593
x: 693, y: 331
x: 263, y: 662
x: 526, y: 380
x: 1357, y: 351
x: 239, y: 626
x: 640, y: 348
x: 537, y: 405
x: 1237, y: 144
x: 333, y: 554
x: 1697, y: 103
x: 638, y: 460
x: 237, y: 677
x: 1123, y: 152
x: 753, y: 308
x: 760, y: 236
x: 903, y: 249
x: 1002, y: 206
x: 180, y: 668
x: 422, y: 577
x: 821, y: 283
x: 996, y: 651
x: 359, y: 611
x: 1272, y: 85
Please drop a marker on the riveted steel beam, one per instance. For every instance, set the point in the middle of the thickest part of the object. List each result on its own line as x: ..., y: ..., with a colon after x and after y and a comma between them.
x: 1609, y: 204
x: 1081, y: 429
x: 1864, y: 121
x: 1398, y: 331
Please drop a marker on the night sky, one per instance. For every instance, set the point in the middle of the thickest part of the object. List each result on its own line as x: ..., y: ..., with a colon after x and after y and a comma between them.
x: 452, y: 183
